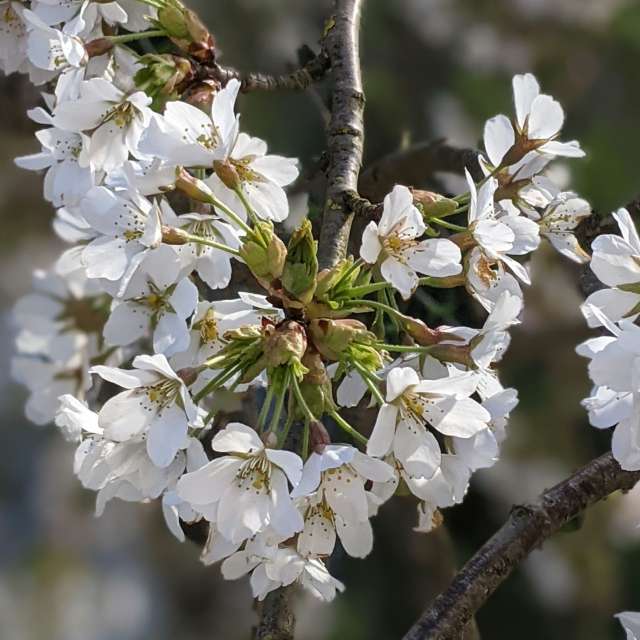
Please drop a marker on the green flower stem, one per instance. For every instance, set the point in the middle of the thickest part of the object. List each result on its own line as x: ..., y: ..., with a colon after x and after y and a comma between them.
x: 304, y: 449
x: 131, y: 37
x: 376, y: 305
x: 285, y: 430
x: 252, y: 215
x: 212, y: 363
x: 234, y: 217
x: 282, y: 391
x: 366, y: 289
x: 213, y: 243
x: 448, y: 225
x: 449, y: 282
x: 347, y: 428
x: 370, y: 381
x: 247, y: 206
x: 262, y: 417
x: 218, y: 381
x: 402, y: 348
x: 300, y: 399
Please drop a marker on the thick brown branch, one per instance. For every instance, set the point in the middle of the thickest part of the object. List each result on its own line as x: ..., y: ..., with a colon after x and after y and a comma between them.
x: 277, y: 621
x: 527, y: 528
x: 346, y: 129
x: 297, y: 80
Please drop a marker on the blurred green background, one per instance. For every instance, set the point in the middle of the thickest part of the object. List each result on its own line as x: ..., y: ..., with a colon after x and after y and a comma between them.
x: 432, y: 68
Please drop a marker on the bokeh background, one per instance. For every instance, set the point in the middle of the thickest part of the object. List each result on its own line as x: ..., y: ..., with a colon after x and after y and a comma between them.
x: 432, y: 69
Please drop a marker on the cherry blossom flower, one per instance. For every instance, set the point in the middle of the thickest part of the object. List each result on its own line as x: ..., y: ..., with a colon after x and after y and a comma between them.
x: 261, y: 178
x: 616, y: 263
x: 539, y: 119
x: 13, y: 37
x: 113, y: 121
x: 156, y: 407
x: 394, y: 243
x: 126, y: 228
x: 272, y: 567
x: 66, y: 181
x: 248, y: 486
x: 413, y: 404
x: 184, y: 135
x: 157, y: 302
x: 499, y: 234
x: 336, y: 501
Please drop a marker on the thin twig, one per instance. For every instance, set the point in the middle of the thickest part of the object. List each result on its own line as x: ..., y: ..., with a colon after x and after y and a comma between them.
x: 346, y: 129
x: 527, y: 528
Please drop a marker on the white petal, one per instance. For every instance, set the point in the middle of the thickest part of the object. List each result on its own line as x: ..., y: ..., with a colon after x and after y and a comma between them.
x: 238, y: 438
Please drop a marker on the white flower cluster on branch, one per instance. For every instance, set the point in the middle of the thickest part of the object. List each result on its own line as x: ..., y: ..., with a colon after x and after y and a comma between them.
x: 128, y: 345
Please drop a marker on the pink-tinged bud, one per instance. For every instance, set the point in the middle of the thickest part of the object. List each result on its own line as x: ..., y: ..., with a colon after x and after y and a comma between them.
x: 227, y: 174
x: 98, y: 47
x: 422, y: 334
x: 188, y: 375
x: 173, y: 235
x: 192, y: 187
x: 319, y: 437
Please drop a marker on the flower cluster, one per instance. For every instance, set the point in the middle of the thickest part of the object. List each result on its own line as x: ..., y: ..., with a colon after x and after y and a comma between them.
x: 137, y: 334
x: 614, y: 358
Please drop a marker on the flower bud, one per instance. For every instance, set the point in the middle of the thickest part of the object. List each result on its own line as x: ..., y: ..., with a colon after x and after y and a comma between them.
x: 316, y: 384
x: 227, y: 174
x: 265, y: 263
x: 192, y: 187
x: 98, y: 47
x: 173, y: 235
x: 284, y: 344
x: 160, y: 76
x: 301, y: 264
x: 188, y: 375
x: 172, y: 18
x: 433, y: 204
x: 333, y: 337
x: 319, y: 437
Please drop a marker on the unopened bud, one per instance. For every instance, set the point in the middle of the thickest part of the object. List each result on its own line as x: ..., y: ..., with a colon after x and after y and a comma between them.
x: 98, y: 47
x: 172, y: 19
x: 433, y: 204
x: 227, y: 174
x: 265, y: 263
x: 188, y: 375
x: 332, y: 337
x: 192, y: 186
x: 301, y: 264
x: 319, y: 437
x: 285, y: 343
x: 173, y: 235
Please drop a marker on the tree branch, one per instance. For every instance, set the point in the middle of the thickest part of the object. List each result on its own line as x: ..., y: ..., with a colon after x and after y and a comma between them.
x: 277, y: 621
x: 297, y: 80
x: 346, y: 129
x: 527, y: 528
x: 414, y: 165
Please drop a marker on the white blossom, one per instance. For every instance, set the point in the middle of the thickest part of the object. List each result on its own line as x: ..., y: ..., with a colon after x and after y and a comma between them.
x: 248, y: 486
x: 156, y: 408
x: 394, y: 243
